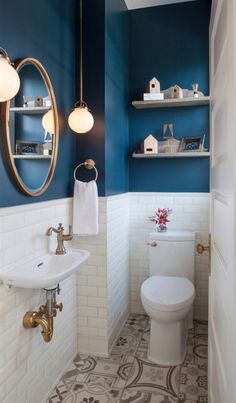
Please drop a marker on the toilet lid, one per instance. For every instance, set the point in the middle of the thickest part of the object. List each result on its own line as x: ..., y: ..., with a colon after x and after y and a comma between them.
x: 167, y: 293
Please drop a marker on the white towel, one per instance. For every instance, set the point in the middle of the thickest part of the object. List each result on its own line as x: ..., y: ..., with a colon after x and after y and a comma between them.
x: 85, y: 208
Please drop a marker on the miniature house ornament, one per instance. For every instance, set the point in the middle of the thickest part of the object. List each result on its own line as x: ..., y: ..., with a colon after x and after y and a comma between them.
x: 153, y: 91
x: 173, y: 92
x: 177, y: 92
x: 154, y: 86
x: 149, y: 145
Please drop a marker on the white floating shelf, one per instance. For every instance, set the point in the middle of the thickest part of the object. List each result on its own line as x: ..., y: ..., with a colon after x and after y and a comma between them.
x: 188, y: 154
x: 166, y: 103
x: 32, y: 157
x: 36, y: 110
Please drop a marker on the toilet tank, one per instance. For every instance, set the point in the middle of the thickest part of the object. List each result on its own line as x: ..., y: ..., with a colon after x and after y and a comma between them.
x: 173, y: 254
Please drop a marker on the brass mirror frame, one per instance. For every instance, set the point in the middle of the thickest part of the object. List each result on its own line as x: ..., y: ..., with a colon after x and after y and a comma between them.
x: 6, y: 133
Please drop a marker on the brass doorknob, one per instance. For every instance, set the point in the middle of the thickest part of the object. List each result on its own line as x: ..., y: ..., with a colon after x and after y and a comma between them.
x: 201, y: 248
x: 153, y: 244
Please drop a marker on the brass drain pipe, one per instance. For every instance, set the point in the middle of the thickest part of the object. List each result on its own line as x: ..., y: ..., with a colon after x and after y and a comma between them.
x: 44, y: 316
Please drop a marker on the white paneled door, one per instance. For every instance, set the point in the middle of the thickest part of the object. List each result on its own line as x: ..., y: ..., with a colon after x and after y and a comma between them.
x: 222, y: 307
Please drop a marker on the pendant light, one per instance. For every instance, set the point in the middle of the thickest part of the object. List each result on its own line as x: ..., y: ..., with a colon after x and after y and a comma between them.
x: 9, y: 78
x: 80, y: 119
x: 48, y: 122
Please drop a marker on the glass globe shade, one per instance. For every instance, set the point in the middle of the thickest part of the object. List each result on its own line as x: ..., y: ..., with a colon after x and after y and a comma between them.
x: 9, y: 80
x: 81, y: 120
x: 48, y: 122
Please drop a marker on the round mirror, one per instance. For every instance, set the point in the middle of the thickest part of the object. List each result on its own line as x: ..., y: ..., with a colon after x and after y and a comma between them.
x: 31, y: 129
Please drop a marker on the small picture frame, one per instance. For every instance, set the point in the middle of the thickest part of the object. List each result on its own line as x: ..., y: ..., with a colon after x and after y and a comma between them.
x: 192, y: 144
x: 27, y: 147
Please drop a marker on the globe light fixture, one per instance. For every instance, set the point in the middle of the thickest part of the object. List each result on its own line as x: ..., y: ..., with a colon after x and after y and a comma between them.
x: 9, y: 78
x: 48, y: 122
x: 80, y: 119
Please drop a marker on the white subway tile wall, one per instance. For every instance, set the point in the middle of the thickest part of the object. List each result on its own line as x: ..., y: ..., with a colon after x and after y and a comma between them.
x: 103, y: 280
x: 190, y: 212
x: 92, y: 329
x: 117, y: 264
x: 96, y: 300
x: 28, y: 366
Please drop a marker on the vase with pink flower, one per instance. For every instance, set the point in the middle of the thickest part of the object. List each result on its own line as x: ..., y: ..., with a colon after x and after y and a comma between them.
x: 160, y: 217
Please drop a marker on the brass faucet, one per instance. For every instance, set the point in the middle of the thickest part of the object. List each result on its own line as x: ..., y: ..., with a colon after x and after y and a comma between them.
x: 61, y: 237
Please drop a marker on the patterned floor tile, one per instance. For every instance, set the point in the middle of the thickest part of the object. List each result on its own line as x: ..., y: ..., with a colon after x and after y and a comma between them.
x: 197, y: 346
x: 189, y: 401
x: 84, y: 393
x: 112, y: 372
x: 200, y: 348
x: 190, y: 358
x: 149, y: 377
x: 201, y: 326
x: 128, y: 376
x: 137, y: 396
x: 59, y: 393
x: 142, y: 350
x: 127, y: 343
x: 193, y: 384
x: 136, y: 323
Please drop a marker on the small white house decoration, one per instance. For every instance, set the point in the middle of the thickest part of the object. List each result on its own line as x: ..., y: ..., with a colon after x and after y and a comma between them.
x: 153, y: 91
x: 177, y: 92
x: 154, y: 86
x: 173, y: 92
x: 149, y: 145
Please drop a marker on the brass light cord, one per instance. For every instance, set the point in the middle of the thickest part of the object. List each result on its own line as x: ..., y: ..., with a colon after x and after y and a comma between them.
x: 81, y: 51
x: 80, y: 119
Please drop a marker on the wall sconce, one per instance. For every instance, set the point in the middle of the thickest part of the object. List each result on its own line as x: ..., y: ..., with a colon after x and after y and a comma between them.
x: 9, y: 78
x: 80, y: 119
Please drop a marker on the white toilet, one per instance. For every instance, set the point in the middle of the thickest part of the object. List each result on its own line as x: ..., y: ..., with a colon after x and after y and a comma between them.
x: 168, y: 294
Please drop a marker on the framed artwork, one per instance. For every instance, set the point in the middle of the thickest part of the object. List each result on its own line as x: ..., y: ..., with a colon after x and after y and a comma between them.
x: 26, y: 147
x: 190, y: 144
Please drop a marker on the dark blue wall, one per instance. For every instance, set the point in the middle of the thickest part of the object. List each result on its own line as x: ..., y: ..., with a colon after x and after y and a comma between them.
x: 106, y: 74
x: 44, y: 30
x: 116, y: 97
x: 168, y: 41
x: 171, y: 43
x: 92, y: 144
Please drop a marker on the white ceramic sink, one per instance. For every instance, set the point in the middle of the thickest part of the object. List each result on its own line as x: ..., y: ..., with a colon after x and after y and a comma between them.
x: 46, y: 271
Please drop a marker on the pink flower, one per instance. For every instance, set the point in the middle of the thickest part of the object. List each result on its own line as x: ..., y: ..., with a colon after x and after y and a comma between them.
x: 160, y: 217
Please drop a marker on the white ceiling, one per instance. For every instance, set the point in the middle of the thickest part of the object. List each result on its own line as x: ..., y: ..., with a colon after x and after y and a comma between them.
x: 132, y: 4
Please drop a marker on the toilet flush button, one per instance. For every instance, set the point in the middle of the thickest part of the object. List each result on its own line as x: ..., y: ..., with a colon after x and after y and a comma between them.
x: 153, y: 244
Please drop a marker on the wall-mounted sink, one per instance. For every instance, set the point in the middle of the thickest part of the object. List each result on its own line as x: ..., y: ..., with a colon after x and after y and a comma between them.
x: 46, y: 271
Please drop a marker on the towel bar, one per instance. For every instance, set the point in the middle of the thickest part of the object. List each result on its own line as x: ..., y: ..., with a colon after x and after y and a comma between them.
x: 89, y: 164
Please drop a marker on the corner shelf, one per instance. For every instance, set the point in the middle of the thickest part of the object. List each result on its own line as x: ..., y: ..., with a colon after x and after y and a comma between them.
x: 35, y: 110
x: 31, y: 157
x: 167, y: 103
x: 189, y: 154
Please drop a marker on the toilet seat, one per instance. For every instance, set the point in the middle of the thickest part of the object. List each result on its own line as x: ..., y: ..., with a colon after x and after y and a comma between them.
x: 167, y: 293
